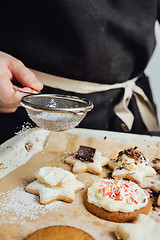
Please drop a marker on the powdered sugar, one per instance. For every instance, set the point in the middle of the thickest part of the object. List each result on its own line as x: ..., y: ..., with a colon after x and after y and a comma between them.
x: 55, y: 121
x: 24, y: 128
x: 22, y: 206
x: 51, y: 103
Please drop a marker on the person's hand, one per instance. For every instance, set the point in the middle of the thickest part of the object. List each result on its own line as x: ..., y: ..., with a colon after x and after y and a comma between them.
x: 13, y: 72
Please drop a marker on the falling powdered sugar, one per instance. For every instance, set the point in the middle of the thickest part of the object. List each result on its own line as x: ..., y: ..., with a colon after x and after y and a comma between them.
x: 55, y: 121
x: 18, y: 205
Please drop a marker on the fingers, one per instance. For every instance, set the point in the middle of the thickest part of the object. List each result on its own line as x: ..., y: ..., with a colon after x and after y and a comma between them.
x: 9, y: 98
x: 25, y: 90
x: 24, y: 76
x: 10, y: 69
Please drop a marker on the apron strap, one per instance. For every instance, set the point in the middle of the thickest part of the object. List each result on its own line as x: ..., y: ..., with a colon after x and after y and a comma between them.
x: 146, y: 110
x: 121, y: 109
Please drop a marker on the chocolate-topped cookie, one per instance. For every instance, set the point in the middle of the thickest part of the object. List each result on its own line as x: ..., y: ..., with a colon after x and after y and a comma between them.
x: 85, y: 153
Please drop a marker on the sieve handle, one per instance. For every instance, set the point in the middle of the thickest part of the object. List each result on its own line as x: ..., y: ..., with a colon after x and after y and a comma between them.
x: 25, y: 92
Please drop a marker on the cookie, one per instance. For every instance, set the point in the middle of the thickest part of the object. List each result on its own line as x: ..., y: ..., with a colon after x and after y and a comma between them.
x: 55, y: 184
x: 156, y: 188
x: 131, y: 164
x: 54, y: 176
x: 87, y: 160
x: 117, y: 200
x: 59, y: 232
x: 156, y: 164
x: 145, y: 228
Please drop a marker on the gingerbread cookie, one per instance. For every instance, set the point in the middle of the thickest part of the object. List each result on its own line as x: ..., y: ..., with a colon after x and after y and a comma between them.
x: 55, y: 184
x: 87, y: 159
x: 59, y: 232
x: 131, y: 164
x: 145, y: 228
x: 117, y: 200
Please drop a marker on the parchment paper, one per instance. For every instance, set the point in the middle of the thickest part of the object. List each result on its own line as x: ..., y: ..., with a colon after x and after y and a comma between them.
x: 59, y: 146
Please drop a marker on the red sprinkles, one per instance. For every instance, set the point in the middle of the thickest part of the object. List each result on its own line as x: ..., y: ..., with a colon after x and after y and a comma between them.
x: 118, y: 189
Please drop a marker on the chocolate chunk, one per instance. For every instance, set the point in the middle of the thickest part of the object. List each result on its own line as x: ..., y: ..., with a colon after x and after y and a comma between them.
x: 85, y: 153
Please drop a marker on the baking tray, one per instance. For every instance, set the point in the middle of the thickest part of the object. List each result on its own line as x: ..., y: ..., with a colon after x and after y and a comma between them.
x: 25, y: 153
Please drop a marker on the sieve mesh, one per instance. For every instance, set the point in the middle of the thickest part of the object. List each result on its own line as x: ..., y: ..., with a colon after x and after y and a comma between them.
x: 56, y: 112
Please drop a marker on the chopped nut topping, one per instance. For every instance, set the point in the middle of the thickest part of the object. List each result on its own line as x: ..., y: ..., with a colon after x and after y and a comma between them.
x: 28, y: 146
x: 1, y: 165
x: 132, y: 153
x: 156, y: 160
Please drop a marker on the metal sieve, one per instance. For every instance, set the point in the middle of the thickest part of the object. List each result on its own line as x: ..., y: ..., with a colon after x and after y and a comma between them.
x: 56, y: 112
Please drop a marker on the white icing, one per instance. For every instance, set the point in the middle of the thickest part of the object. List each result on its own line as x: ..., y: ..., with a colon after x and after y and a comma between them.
x: 144, y: 229
x: 141, y: 166
x: 54, y: 176
x: 114, y: 195
x: 55, y: 183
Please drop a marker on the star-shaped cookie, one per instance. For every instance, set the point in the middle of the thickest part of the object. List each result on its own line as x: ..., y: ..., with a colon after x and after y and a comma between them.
x: 131, y: 164
x: 145, y: 228
x: 92, y: 164
x: 55, y: 184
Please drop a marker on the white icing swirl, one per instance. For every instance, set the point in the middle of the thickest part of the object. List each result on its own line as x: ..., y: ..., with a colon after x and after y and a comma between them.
x: 117, y: 195
x: 129, y: 163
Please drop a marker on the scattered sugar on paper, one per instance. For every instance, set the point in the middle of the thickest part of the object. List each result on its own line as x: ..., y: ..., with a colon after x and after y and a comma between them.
x: 23, y: 206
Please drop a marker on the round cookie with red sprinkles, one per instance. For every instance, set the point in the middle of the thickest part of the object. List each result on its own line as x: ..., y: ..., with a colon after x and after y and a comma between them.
x: 117, y: 200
